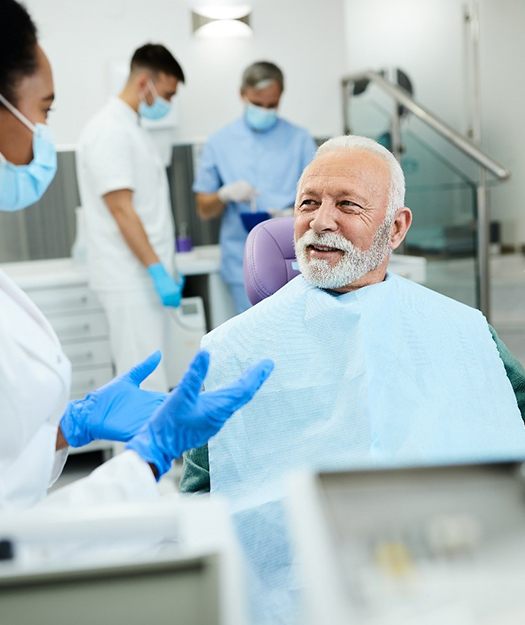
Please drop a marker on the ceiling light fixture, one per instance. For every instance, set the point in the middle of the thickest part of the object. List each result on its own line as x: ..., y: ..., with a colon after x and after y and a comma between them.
x: 221, y: 18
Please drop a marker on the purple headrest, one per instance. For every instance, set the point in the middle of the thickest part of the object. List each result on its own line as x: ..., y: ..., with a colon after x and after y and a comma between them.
x: 268, y: 258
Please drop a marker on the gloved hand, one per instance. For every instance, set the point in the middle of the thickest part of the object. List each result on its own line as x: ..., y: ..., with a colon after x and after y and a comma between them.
x: 189, y: 418
x: 168, y: 289
x: 114, y: 412
x: 239, y: 191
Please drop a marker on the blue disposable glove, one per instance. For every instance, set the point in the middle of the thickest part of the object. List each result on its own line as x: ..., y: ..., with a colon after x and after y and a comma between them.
x: 168, y: 289
x: 114, y: 412
x: 189, y: 418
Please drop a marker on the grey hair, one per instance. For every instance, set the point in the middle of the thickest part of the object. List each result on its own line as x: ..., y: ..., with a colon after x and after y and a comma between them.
x: 259, y: 75
x: 396, y: 196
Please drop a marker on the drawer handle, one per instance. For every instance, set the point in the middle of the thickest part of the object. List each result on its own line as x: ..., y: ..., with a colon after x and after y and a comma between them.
x: 89, y: 385
x: 68, y: 303
x: 82, y: 329
x: 80, y: 358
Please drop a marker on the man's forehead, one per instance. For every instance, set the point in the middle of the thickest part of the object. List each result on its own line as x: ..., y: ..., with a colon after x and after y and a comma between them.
x: 347, y: 170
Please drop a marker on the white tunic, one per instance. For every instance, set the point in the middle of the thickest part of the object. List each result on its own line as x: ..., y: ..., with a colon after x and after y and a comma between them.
x: 114, y: 152
x: 34, y: 390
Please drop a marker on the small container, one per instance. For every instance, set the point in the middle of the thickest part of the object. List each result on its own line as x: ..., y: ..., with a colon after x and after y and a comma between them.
x: 183, y: 242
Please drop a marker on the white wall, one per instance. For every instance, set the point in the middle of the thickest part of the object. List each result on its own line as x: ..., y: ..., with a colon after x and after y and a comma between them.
x: 426, y: 38
x: 503, y: 97
x: 304, y: 37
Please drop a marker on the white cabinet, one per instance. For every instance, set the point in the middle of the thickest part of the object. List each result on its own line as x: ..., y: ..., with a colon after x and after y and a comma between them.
x: 59, y: 288
x: 80, y: 323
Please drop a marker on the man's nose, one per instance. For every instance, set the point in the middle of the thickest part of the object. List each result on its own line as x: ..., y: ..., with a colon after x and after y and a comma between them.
x: 324, y: 219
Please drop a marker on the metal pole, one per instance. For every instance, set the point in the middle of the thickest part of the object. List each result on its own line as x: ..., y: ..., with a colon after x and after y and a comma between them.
x: 346, y: 92
x: 483, y: 230
x: 395, y: 130
x: 482, y: 200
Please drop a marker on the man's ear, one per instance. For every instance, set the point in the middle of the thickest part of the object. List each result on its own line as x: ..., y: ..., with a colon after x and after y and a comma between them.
x: 400, y: 227
x: 142, y: 82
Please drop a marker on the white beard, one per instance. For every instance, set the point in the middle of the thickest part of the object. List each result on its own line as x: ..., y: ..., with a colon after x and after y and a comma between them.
x: 354, y: 264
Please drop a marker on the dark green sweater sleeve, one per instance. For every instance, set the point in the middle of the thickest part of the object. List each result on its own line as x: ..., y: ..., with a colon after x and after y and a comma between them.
x: 514, y: 369
x: 195, y: 471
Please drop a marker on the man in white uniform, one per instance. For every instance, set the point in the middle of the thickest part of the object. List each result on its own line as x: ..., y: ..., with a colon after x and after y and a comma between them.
x: 129, y: 225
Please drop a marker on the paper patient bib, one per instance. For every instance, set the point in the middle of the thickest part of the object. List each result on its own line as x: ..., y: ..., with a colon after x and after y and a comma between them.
x: 390, y: 373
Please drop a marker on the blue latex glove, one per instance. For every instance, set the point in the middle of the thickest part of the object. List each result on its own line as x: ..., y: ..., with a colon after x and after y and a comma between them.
x: 114, y: 412
x: 189, y: 418
x: 168, y: 289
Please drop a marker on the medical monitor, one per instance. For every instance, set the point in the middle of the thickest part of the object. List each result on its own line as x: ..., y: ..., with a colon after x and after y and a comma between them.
x: 182, y: 591
x: 427, y: 545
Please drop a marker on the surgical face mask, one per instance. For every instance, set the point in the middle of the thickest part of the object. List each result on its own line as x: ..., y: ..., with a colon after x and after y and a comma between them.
x: 158, y: 109
x: 23, y: 185
x: 354, y: 264
x: 259, y: 118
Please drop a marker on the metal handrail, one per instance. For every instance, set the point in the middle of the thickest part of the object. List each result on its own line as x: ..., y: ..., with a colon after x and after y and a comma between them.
x: 459, y: 141
x: 470, y: 149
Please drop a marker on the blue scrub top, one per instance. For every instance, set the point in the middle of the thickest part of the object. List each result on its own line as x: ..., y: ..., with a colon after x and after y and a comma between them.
x: 270, y: 161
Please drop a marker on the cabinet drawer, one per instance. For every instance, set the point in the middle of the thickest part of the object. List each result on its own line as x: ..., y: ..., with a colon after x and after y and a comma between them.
x: 90, y: 325
x: 88, y: 353
x: 85, y: 380
x: 64, y: 299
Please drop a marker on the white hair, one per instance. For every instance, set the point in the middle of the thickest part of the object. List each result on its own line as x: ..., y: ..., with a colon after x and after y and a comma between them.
x: 396, y: 196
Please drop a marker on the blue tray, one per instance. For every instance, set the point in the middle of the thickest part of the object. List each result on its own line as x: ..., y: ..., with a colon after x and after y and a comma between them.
x: 250, y: 220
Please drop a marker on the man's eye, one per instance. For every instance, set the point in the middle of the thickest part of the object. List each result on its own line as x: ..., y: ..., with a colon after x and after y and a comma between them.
x: 307, y: 204
x: 349, y: 205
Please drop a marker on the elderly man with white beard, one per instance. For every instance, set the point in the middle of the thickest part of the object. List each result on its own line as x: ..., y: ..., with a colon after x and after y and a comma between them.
x: 370, y: 368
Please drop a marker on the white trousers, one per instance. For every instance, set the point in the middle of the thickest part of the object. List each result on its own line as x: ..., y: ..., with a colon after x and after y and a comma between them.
x: 138, y: 326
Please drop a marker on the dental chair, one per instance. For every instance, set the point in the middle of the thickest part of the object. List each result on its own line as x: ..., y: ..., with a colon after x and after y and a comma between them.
x: 269, y: 258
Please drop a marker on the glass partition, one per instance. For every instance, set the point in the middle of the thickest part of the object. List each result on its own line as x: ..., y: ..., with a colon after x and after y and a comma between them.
x: 440, y: 191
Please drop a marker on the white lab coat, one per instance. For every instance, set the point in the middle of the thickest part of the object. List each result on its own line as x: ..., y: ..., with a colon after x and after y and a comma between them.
x: 34, y: 389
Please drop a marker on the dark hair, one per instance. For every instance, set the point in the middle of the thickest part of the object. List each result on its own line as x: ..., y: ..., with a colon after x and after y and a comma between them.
x: 157, y: 58
x: 18, y: 40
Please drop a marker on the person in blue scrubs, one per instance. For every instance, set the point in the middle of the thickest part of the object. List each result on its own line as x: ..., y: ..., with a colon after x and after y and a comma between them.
x: 253, y: 162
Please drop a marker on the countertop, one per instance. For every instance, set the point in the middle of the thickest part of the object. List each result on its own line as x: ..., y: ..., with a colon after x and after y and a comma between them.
x: 34, y: 274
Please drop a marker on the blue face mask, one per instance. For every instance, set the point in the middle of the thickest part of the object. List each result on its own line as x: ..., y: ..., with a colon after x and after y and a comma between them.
x: 158, y: 109
x: 23, y: 185
x: 259, y: 118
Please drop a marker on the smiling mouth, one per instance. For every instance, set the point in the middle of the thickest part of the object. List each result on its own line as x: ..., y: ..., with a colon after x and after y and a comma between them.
x: 324, y: 248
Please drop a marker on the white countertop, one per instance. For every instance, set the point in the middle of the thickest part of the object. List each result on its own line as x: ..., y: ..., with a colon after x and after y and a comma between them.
x: 35, y: 274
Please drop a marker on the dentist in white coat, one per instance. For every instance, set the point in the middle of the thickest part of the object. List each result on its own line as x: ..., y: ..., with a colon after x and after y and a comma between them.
x: 37, y: 423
